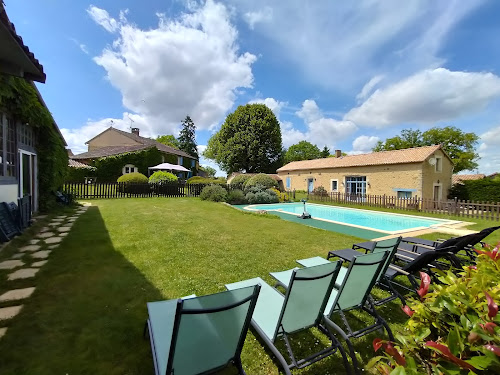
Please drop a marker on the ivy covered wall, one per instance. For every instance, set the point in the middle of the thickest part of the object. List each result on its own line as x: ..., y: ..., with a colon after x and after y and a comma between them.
x: 110, y: 167
x: 19, y: 99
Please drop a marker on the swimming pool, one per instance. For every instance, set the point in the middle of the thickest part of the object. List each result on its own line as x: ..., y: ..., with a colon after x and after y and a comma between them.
x: 380, y: 221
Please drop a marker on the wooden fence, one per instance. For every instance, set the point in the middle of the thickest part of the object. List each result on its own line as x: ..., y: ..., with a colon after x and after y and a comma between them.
x: 105, y: 190
x: 480, y: 210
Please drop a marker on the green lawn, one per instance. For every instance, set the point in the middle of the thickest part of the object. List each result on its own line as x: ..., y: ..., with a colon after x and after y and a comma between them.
x: 88, y: 311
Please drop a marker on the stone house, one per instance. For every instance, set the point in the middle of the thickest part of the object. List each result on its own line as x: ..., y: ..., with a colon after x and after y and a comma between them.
x: 116, y: 142
x: 423, y: 172
x: 19, y: 159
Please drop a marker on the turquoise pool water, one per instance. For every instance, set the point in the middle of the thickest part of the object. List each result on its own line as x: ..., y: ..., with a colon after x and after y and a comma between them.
x: 380, y: 221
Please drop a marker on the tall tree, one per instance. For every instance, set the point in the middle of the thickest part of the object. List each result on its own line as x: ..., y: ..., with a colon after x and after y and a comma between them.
x: 249, y: 140
x: 209, y: 170
x: 168, y: 140
x: 302, y: 151
x: 187, y: 141
x: 325, y: 153
x: 460, y: 146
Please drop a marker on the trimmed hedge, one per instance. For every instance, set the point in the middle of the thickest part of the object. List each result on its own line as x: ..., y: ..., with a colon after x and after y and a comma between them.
x: 261, y: 179
x: 204, y: 180
x: 240, y: 179
x: 484, y: 190
x: 135, y: 177
x: 79, y: 174
x: 162, y: 177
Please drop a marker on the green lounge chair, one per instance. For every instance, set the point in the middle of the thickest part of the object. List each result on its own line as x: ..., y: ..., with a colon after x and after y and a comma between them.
x: 277, y: 316
x: 353, y: 294
x: 200, y: 335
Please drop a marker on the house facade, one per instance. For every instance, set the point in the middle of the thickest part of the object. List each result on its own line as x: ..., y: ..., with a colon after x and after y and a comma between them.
x: 19, y: 160
x: 113, y: 142
x: 423, y: 172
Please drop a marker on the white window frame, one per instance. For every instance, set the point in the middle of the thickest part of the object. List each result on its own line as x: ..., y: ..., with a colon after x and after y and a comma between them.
x: 129, y: 168
x: 404, y: 191
x: 331, y: 188
x: 439, y: 163
x: 33, y: 181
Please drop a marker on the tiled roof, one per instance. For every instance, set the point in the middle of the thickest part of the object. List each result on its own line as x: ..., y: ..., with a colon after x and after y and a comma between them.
x: 409, y: 155
x: 76, y: 164
x: 4, y: 19
x: 458, y: 178
x: 148, y: 141
x: 109, y: 151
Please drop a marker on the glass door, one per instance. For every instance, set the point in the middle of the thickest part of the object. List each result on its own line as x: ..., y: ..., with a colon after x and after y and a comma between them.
x: 27, y: 176
x: 355, y: 187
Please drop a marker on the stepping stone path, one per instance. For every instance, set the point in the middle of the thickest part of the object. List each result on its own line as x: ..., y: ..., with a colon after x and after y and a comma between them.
x: 10, y: 264
x: 16, y: 294
x: 9, y: 312
x: 41, y: 254
x: 52, y: 240
x: 23, y: 273
x: 30, y: 248
x: 39, y: 263
x: 62, y: 226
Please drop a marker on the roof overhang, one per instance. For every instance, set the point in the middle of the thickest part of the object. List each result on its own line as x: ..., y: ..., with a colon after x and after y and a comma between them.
x: 16, y: 58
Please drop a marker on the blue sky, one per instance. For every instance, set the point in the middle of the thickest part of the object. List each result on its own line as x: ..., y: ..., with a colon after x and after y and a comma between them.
x: 340, y: 74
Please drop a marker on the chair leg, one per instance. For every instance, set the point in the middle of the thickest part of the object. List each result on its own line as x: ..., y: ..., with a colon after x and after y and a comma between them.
x: 239, y: 366
x: 352, y: 353
x: 379, y: 319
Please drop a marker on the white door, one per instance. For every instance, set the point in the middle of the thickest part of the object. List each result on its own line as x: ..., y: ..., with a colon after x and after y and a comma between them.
x: 27, y: 177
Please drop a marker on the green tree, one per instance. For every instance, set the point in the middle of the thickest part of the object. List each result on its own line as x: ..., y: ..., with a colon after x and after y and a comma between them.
x: 325, y: 153
x: 460, y: 146
x: 249, y: 140
x: 187, y: 141
x: 168, y: 140
x: 208, y: 170
x: 302, y: 151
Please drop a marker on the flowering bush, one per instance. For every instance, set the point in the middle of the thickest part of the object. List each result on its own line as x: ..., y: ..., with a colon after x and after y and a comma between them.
x: 452, y: 330
x: 282, y: 196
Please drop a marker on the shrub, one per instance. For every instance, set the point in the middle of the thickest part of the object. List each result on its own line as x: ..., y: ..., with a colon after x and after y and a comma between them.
x: 486, y: 189
x: 241, y: 179
x: 454, y: 330
x: 236, y: 197
x: 262, y: 196
x: 135, y: 177
x: 162, y: 177
x: 282, y: 196
x: 261, y: 179
x: 320, y: 191
x: 215, y: 193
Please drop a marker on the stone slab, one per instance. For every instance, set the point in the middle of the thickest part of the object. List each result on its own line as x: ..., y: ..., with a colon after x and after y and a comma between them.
x: 9, y: 312
x: 64, y: 229
x: 3, y: 331
x: 63, y: 234
x: 39, y: 263
x: 40, y: 216
x: 10, y: 264
x: 30, y: 248
x: 17, y: 294
x: 34, y: 242
x: 23, y: 273
x: 41, y: 254
x: 44, y: 229
x: 45, y: 235
x: 17, y: 256
x: 51, y: 247
x: 52, y: 240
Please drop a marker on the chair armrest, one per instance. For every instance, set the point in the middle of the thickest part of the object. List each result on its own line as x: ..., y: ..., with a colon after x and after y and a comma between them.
x: 398, y: 270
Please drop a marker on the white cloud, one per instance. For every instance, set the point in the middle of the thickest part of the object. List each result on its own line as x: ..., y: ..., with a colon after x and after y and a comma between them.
x: 184, y: 66
x: 309, y: 112
x: 368, y: 88
x: 84, y: 48
x: 271, y: 103
x: 343, y: 44
x: 427, y: 97
x: 489, y: 151
x: 102, y: 18
x: 263, y: 15
x: 363, y: 144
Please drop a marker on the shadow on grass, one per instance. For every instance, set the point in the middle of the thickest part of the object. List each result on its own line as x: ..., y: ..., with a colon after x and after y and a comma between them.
x: 87, y: 313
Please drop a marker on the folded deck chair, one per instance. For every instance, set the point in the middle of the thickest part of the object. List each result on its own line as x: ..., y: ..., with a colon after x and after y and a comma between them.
x: 277, y: 316
x: 353, y: 294
x: 200, y: 335
x: 420, y: 241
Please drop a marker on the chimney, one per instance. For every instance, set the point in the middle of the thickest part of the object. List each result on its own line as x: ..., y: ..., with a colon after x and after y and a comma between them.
x: 135, y: 131
x: 338, y: 153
